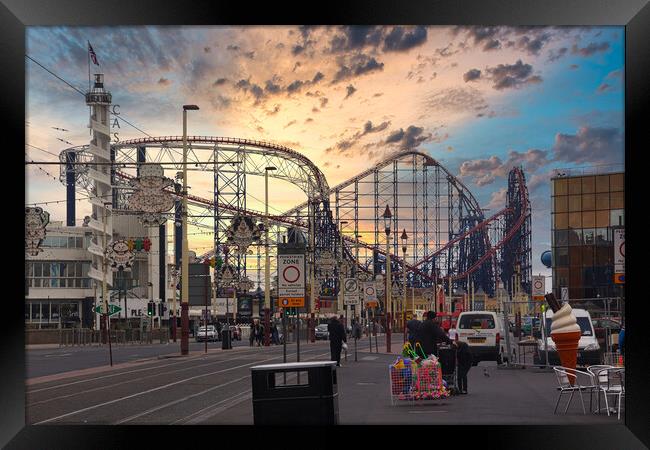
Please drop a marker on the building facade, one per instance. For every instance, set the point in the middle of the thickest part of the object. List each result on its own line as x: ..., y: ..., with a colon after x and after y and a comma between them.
x: 586, y: 209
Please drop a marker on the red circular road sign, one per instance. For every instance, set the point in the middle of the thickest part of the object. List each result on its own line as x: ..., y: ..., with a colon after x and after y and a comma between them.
x: 621, y: 249
x: 539, y: 284
x: 289, y: 273
x: 370, y: 290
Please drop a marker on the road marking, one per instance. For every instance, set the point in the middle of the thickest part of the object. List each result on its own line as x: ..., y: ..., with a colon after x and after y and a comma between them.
x: 57, y: 354
x: 366, y: 384
x: 369, y: 358
x: 426, y: 412
x: 172, y: 403
x: 137, y: 394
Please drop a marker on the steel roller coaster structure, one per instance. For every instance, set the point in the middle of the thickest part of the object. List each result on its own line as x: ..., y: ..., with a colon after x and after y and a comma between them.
x: 450, y: 238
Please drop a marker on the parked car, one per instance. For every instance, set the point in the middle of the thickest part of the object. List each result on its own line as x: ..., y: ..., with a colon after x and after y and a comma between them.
x: 235, y: 333
x: 588, y: 347
x: 208, y: 333
x: 321, y: 332
x: 482, y: 331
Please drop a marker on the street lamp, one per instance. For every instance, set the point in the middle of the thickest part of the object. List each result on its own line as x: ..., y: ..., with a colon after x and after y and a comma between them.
x: 267, y: 264
x: 185, y: 267
x: 341, y: 306
x: 389, y: 305
x: 404, y: 238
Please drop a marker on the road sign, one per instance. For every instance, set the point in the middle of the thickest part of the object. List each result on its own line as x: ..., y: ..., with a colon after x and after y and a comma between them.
x: 619, y: 250
x: 619, y: 278
x: 112, y: 309
x: 369, y: 294
x: 539, y: 287
x: 565, y: 294
x: 350, y: 291
x: 291, y: 280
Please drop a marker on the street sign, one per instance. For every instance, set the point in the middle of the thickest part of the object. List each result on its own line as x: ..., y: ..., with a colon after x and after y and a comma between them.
x: 369, y: 294
x: 112, y: 309
x: 565, y: 294
x: 619, y: 278
x: 291, y: 280
x: 350, y: 291
x: 619, y: 250
x: 539, y: 287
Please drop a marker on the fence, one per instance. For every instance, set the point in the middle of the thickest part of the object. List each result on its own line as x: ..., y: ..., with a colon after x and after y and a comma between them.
x: 83, y: 336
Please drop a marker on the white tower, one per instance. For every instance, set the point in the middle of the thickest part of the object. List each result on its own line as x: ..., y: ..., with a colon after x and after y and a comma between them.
x: 99, y: 100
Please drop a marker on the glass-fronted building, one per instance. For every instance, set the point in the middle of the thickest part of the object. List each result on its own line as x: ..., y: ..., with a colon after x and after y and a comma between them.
x: 585, y: 211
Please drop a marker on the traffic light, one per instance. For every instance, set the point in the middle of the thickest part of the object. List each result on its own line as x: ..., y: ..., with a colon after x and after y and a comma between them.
x: 146, y: 244
x: 161, y: 309
x: 150, y: 308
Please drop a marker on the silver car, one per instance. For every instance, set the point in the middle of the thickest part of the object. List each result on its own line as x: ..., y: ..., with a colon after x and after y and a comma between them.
x: 321, y: 332
x: 206, y: 333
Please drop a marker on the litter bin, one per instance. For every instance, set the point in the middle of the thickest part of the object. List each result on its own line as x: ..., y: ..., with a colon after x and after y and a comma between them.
x: 309, y: 396
x: 226, y: 344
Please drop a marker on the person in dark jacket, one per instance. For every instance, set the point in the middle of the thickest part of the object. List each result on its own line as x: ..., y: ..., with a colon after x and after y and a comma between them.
x: 337, y: 338
x: 413, y: 326
x: 430, y: 334
x: 464, y: 364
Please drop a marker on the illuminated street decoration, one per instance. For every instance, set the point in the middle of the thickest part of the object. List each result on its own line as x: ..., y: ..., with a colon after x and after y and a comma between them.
x: 35, y: 222
x: 242, y: 232
x: 245, y: 284
x: 139, y: 244
x: 119, y: 256
x: 149, y: 198
x: 227, y: 275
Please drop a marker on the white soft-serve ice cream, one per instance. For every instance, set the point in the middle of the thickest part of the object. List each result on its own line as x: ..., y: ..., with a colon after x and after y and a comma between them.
x: 564, y: 321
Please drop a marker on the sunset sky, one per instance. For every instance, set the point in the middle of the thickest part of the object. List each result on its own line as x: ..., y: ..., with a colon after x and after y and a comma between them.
x: 477, y: 99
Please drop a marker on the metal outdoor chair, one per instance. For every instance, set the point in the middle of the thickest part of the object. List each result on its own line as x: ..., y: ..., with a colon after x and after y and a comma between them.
x: 582, y: 382
x: 593, y: 370
x: 611, y: 381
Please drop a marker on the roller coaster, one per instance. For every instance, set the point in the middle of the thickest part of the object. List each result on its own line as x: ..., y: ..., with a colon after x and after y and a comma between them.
x: 449, y: 237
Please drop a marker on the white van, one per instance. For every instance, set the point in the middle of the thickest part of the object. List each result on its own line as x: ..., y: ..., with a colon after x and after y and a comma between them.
x: 483, y: 332
x: 588, y: 347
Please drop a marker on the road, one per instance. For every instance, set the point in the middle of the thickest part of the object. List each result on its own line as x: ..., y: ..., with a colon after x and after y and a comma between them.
x: 216, y: 389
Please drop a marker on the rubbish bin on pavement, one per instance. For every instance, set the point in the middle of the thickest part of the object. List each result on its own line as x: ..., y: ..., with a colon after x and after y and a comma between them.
x: 308, y: 397
x: 226, y: 344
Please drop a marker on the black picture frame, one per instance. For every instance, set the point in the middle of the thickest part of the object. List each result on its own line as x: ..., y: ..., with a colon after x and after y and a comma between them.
x: 15, y: 15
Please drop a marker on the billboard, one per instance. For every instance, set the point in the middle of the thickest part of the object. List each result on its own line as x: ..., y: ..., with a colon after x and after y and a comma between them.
x: 199, y: 284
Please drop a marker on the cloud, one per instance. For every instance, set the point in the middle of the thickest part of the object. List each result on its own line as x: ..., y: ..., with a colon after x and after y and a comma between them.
x: 532, y: 46
x: 399, y: 39
x: 368, y: 128
x: 350, y: 90
x: 492, y: 44
x: 319, y: 76
x: 206, y: 49
x: 555, y: 54
x: 290, y: 123
x: 603, y: 88
x: 220, y: 82
x: 410, y: 139
x: 274, y: 111
x: 455, y: 100
x: 590, y: 145
x: 254, y: 89
x: 497, y: 200
x: 357, y: 65
x: 573, y: 66
x: 615, y: 74
x: 233, y: 47
x: 164, y: 82
x: 486, y: 171
x: 472, y: 74
x: 590, y: 49
x: 514, y: 75
x: 323, y: 102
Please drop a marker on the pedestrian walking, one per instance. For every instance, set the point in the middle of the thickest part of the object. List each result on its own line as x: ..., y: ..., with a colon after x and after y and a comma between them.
x: 259, y: 334
x: 251, y: 335
x: 430, y: 334
x: 275, y: 335
x: 337, y: 338
x: 464, y: 364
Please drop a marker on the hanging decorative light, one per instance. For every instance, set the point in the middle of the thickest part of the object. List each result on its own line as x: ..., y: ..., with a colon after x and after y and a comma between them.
x: 150, y: 199
x: 35, y: 222
x: 245, y: 284
x: 120, y: 256
x: 242, y: 232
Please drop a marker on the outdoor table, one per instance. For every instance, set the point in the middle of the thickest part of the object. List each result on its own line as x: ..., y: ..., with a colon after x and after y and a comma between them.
x: 618, y: 368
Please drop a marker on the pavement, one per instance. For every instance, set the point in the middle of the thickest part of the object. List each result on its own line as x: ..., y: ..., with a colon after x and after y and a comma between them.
x: 215, y: 388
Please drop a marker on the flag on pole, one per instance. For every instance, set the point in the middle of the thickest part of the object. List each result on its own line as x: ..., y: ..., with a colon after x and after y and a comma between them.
x: 93, y: 56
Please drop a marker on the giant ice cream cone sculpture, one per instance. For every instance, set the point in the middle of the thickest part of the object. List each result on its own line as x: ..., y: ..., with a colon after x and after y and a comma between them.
x: 565, y: 333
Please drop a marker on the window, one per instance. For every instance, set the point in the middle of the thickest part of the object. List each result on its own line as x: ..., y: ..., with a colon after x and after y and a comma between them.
x: 575, y: 237
x: 28, y: 312
x: 561, y: 204
x: 477, y: 321
x: 562, y: 275
x: 59, y: 274
x: 575, y: 186
x: 45, y: 312
x: 560, y: 186
x: 561, y: 221
x: 575, y: 203
x: 617, y: 217
x: 562, y: 238
x: 603, y: 237
x: 575, y: 256
x: 36, y: 312
x: 54, y: 316
x: 588, y: 219
x: 617, y: 200
x: 602, y: 218
x: 588, y: 185
x: 602, y: 183
x: 587, y: 256
x: 588, y: 236
x: 588, y: 202
x: 603, y: 256
x: 602, y: 201
x: 575, y: 220
x: 561, y: 256
x: 617, y: 182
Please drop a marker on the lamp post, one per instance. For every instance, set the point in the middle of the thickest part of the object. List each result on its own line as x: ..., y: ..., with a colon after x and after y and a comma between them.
x: 267, y: 263
x: 107, y: 320
x: 389, y: 305
x: 341, y: 305
x: 404, y: 238
x: 185, y: 270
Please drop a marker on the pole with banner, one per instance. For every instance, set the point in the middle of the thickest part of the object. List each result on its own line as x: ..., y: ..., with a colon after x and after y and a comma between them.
x: 291, y: 281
